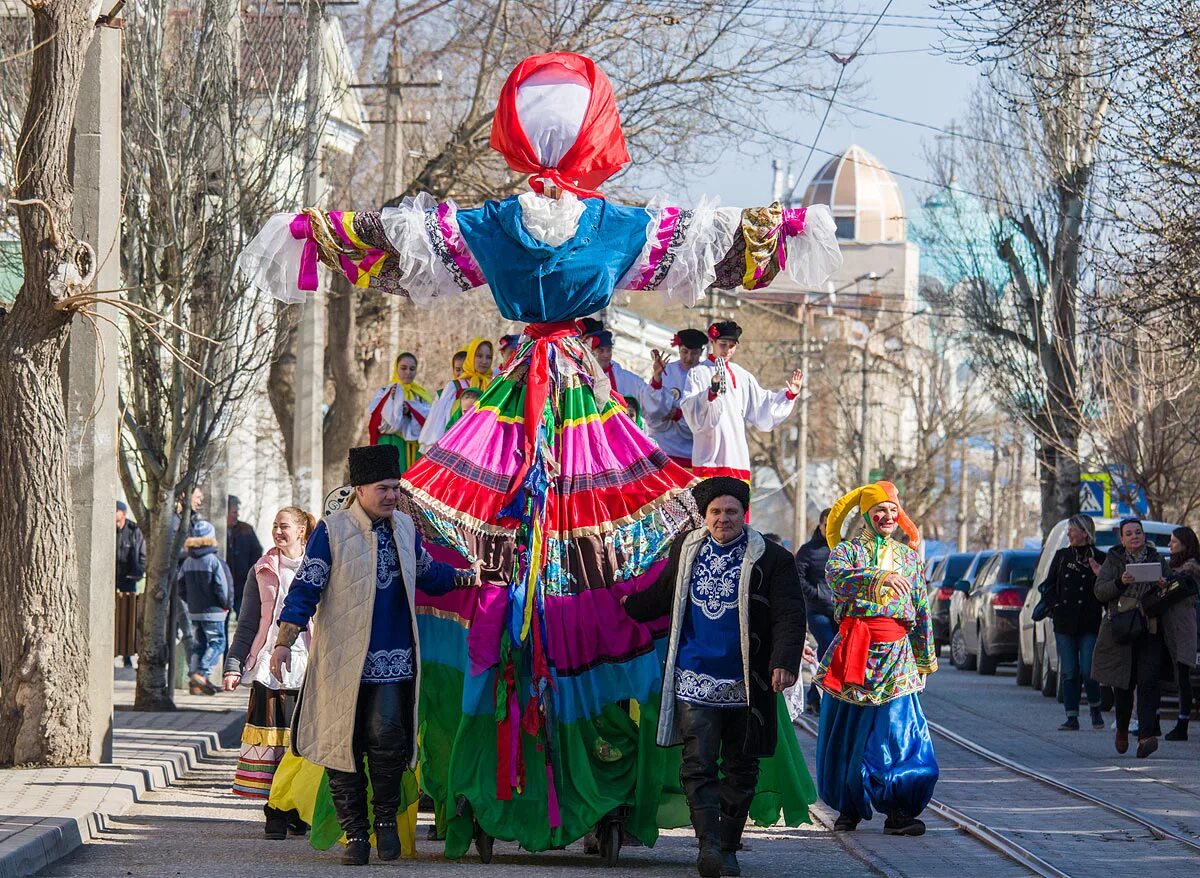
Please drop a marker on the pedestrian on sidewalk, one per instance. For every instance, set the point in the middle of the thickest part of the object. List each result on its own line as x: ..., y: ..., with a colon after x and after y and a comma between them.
x: 811, y: 558
x: 208, y: 592
x: 873, y: 746
x: 1132, y: 661
x: 131, y: 567
x: 736, y: 639
x: 242, y: 548
x: 360, y: 693
x: 1070, y: 593
x: 266, y: 735
x: 1178, y: 615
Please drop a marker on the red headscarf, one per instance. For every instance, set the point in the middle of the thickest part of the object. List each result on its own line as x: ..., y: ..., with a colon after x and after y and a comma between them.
x: 599, y: 150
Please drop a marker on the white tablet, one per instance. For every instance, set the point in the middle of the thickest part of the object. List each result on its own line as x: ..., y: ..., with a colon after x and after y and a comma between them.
x: 1145, y: 572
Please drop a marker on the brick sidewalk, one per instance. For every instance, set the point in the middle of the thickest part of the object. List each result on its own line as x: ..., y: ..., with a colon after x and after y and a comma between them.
x: 45, y: 813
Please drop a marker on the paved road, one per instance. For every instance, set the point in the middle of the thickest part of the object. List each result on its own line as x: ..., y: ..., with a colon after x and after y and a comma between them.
x: 198, y: 829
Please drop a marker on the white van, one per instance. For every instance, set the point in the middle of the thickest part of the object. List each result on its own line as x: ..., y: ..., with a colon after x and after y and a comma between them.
x: 1037, y: 659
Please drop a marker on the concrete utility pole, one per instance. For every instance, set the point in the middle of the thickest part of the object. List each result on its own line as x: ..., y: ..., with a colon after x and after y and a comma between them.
x: 308, y: 441
x: 963, y: 489
x: 90, y: 371
x: 994, y: 490
x: 393, y: 131
x: 864, y: 467
x: 800, y: 504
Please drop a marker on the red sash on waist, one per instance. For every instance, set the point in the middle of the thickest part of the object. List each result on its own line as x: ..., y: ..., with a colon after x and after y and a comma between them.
x: 849, y: 661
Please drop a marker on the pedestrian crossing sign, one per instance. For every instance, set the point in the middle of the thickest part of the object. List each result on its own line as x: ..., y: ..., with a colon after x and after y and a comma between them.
x: 1095, y: 494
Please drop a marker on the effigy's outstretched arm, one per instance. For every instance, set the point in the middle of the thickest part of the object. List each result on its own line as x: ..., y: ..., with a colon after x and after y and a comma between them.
x: 689, y: 250
x: 413, y: 250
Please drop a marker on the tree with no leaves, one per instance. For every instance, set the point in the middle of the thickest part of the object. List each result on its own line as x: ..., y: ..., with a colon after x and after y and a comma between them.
x: 214, y: 139
x: 1037, y: 127
x: 43, y: 653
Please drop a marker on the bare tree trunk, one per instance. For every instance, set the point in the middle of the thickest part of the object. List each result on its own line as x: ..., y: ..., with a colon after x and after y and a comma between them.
x: 43, y: 653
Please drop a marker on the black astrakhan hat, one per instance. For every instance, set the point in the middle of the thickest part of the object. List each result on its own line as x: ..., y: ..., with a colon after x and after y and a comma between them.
x: 374, y: 463
x: 689, y: 338
x: 725, y: 329
x: 589, y: 326
x: 720, y: 486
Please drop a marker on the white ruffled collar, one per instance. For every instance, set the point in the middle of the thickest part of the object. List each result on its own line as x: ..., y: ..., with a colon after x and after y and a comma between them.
x: 551, y: 220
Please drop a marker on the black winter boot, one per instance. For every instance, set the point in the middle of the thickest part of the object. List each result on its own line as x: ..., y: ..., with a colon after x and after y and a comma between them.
x: 732, y: 827
x: 277, y: 823
x: 845, y: 823
x: 387, y: 839
x: 1179, y: 733
x: 358, y: 851
x: 707, y: 823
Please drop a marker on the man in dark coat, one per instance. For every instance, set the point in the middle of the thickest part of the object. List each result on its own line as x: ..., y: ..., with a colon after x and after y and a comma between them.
x: 818, y: 597
x: 131, y: 551
x: 736, y: 639
x: 242, y: 549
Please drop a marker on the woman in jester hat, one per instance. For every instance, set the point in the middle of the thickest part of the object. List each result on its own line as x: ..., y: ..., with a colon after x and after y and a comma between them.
x: 547, y: 480
x: 873, y: 748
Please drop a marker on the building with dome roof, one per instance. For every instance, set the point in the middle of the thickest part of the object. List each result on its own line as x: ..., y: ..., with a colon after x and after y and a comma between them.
x: 880, y: 263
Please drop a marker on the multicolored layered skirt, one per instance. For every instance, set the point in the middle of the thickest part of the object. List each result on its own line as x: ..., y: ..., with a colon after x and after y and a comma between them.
x: 539, y: 696
x: 265, y: 739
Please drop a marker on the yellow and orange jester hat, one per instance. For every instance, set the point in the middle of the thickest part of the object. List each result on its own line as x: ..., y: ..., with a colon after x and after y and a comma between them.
x: 863, y: 499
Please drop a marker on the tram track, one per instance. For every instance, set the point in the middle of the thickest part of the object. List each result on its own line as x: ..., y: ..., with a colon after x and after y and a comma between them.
x: 1003, y: 842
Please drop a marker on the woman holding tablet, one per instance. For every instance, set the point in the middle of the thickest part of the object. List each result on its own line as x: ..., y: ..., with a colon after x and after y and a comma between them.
x: 1131, y: 657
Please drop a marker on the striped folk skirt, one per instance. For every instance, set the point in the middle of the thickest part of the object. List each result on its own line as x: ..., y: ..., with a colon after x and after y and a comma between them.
x: 265, y: 739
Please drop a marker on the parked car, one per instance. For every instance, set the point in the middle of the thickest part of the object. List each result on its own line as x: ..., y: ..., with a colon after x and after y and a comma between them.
x: 945, y: 574
x: 984, y: 631
x: 1037, y: 657
x: 961, y: 586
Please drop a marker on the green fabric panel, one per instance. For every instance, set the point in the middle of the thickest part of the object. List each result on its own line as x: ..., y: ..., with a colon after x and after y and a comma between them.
x: 610, y: 761
x: 326, y: 832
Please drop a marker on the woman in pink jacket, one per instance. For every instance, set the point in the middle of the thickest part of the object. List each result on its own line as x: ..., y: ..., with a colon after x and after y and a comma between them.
x: 269, y: 714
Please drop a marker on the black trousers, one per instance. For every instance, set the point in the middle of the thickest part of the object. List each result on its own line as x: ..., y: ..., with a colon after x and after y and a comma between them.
x: 1149, y: 655
x: 717, y: 776
x: 382, y: 733
x: 1183, y: 676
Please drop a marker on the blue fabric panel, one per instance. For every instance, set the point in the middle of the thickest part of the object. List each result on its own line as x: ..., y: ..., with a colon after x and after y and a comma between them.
x: 536, y: 283
x: 875, y: 755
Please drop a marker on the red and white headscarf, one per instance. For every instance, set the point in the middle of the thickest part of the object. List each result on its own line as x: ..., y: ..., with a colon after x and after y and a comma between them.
x: 557, y: 121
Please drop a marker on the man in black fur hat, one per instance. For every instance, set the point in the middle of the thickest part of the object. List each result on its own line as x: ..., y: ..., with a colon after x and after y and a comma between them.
x: 736, y: 639
x: 360, y: 693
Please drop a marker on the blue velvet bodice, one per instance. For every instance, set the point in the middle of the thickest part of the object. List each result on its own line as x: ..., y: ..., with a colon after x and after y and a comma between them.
x: 536, y: 283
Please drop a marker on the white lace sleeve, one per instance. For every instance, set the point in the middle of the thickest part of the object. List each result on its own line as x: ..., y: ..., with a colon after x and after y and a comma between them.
x: 432, y: 258
x: 683, y: 247
x: 813, y: 254
x: 271, y: 262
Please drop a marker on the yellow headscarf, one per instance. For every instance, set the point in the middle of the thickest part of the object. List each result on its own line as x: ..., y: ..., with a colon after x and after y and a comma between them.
x: 863, y: 499
x: 475, y: 379
x: 412, y: 390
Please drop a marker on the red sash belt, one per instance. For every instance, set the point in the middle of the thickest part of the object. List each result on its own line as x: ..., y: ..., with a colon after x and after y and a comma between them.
x: 849, y: 661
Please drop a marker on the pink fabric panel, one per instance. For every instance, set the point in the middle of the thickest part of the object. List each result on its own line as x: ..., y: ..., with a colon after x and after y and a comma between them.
x: 668, y: 220
x: 458, y: 247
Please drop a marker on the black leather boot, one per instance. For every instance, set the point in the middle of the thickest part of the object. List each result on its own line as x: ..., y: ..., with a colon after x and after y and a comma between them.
x: 732, y: 826
x: 845, y: 823
x: 358, y: 851
x: 1179, y: 733
x: 707, y: 823
x: 387, y: 839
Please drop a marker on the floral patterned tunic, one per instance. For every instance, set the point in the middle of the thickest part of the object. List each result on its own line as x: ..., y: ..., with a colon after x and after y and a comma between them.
x: 855, y: 571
